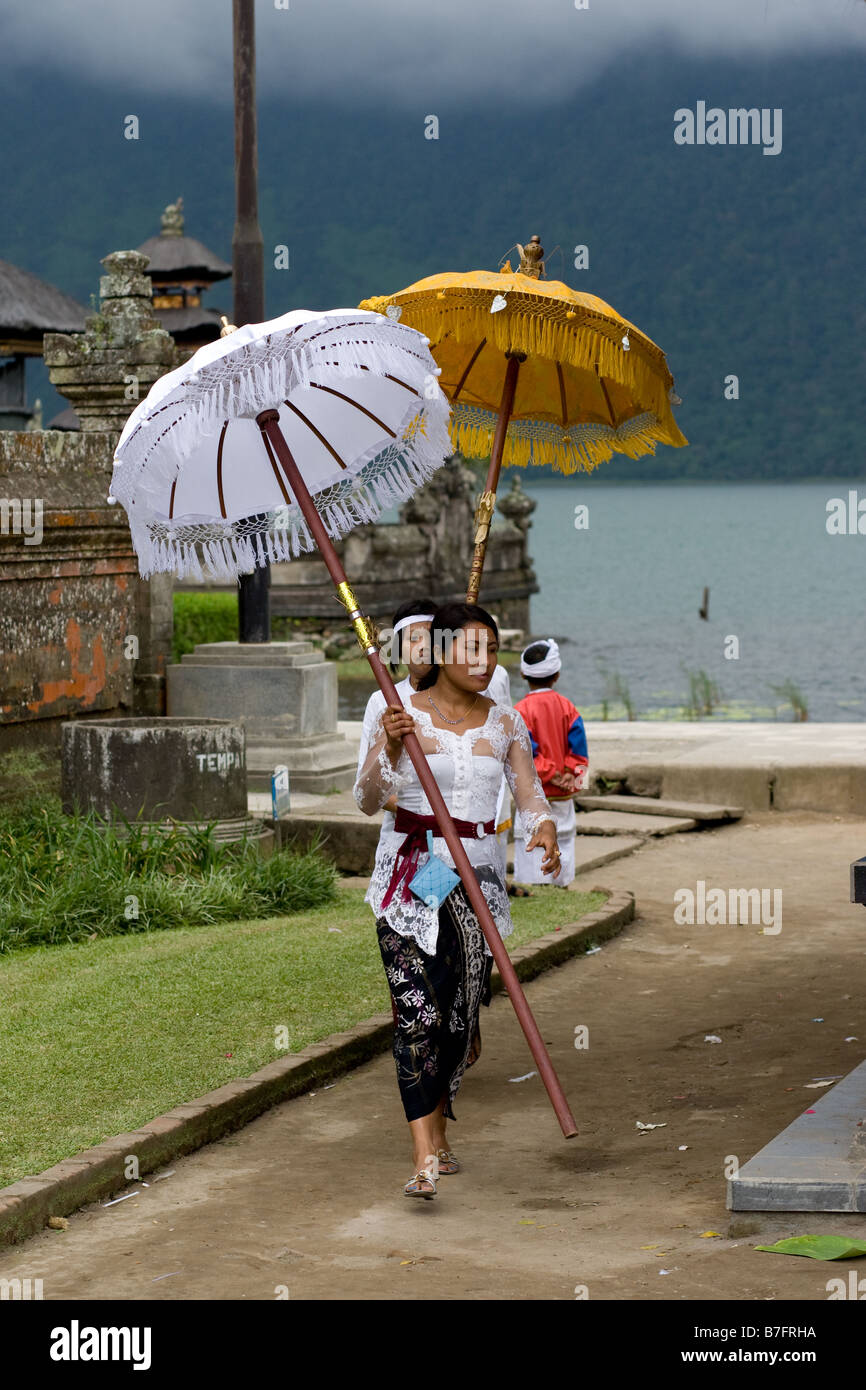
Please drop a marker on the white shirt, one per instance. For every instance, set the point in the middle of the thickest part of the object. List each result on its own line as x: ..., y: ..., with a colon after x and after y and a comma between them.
x: 499, y: 690
x: 468, y: 768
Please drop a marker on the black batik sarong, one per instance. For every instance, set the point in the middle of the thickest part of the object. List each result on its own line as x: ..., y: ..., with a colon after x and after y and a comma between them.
x: 436, y: 1003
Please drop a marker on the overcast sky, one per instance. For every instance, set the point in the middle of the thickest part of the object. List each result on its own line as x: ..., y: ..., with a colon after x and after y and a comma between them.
x: 408, y: 52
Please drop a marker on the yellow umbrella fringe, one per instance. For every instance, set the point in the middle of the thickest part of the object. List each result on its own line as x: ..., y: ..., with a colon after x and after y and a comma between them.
x: 538, y: 331
x: 475, y: 441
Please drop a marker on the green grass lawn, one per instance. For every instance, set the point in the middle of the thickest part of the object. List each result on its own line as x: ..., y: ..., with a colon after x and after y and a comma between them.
x: 100, y: 1036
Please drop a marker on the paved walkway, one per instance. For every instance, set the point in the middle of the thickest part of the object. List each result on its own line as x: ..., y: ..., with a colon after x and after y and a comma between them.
x: 308, y: 1196
x: 756, y: 765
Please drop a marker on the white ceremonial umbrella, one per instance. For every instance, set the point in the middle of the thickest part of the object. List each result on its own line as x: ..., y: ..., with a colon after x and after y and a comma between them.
x: 280, y: 438
x: 358, y: 403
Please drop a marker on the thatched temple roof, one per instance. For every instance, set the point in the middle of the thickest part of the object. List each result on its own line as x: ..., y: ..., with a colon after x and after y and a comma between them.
x: 30, y: 307
x: 182, y: 257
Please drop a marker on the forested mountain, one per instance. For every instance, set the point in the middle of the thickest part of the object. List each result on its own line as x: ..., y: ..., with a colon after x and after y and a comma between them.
x: 734, y: 261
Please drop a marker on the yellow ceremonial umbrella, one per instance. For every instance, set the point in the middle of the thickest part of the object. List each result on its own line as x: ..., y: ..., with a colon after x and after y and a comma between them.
x: 536, y: 372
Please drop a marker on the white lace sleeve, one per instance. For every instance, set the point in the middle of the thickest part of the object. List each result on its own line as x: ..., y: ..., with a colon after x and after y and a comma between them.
x: 378, y: 779
x: 522, y: 778
x: 375, y: 706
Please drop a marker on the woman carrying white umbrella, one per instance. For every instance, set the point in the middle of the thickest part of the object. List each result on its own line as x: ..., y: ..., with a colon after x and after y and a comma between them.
x: 279, y: 439
x: 433, y: 949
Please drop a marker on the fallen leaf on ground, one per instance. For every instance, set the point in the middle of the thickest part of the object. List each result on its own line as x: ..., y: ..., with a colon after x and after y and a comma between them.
x: 819, y: 1247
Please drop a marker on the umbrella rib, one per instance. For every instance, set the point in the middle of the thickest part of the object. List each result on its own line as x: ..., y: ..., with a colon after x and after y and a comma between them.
x: 357, y: 405
x: 462, y: 382
x: 277, y: 474
x: 220, y: 469
x: 171, y: 499
x: 318, y: 433
x: 562, y: 394
x: 609, y: 406
x: 396, y: 380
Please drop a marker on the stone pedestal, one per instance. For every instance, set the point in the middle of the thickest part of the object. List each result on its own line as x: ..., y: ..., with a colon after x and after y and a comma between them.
x: 156, y: 772
x: 284, y: 694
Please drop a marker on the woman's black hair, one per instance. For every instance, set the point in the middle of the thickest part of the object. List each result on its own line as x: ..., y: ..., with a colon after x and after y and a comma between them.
x: 408, y: 610
x: 450, y: 618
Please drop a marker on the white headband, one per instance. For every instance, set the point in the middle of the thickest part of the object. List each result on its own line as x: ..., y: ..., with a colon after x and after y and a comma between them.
x: 413, y: 618
x: 537, y: 670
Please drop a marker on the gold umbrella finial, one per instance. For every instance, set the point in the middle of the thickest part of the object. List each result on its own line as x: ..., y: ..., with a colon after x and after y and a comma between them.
x: 227, y: 327
x: 531, y: 258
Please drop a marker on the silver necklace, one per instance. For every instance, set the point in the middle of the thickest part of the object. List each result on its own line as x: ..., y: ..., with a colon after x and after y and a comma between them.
x: 445, y: 717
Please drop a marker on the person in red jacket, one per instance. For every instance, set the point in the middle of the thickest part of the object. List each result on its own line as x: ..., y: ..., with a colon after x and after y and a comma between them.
x: 561, y: 761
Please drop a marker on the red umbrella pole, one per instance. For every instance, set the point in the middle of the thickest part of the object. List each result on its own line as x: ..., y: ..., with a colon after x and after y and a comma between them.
x: 487, y: 500
x: 268, y: 422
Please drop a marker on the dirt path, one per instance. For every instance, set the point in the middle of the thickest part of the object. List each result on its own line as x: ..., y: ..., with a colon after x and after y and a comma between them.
x: 309, y: 1196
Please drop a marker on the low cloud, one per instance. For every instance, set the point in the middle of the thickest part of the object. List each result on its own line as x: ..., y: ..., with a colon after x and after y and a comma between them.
x: 409, y: 51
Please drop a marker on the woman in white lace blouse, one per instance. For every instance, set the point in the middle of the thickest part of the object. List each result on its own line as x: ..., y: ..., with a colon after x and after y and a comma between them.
x: 437, y: 960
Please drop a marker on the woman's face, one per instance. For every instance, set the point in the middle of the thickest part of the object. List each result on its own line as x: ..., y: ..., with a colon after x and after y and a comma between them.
x: 416, y: 649
x: 469, y: 658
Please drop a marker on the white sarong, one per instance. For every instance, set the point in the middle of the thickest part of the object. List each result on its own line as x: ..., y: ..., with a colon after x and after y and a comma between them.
x: 527, y: 865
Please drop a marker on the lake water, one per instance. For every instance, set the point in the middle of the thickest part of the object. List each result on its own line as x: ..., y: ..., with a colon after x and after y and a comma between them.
x: 622, y: 598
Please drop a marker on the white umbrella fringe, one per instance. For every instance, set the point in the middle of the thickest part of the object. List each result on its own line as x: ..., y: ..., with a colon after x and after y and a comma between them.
x: 257, y: 378
x: 392, y: 474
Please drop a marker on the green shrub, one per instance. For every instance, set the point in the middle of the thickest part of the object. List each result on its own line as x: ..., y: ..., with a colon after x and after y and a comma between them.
x: 68, y: 878
x: 203, y: 618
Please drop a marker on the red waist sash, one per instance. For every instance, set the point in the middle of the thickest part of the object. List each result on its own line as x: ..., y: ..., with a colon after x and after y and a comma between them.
x: 415, y: 843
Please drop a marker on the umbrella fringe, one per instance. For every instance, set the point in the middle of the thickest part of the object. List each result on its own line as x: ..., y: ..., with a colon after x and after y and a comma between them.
x: 193, y: 563
x: 542, y: 442
x: 352, y: 354
x: 592, y: 341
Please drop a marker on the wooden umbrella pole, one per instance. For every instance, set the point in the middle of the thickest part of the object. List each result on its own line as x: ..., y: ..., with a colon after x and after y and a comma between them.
x: 268, y: 422
x: 487, y: 500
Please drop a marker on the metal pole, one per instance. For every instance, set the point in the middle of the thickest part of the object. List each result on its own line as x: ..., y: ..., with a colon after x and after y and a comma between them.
x: 268, y: 422
x: 248, y: 268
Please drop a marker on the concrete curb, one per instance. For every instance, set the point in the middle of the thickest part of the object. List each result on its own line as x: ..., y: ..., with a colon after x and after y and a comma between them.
x: 96, y: 1173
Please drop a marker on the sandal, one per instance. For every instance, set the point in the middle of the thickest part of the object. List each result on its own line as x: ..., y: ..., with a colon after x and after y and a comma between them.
x: 515, y: 891
x: 423, y: 1184
x: 448, y: 1162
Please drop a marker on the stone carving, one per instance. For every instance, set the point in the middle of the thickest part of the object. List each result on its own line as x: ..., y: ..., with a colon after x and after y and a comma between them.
x: 171, y: 221
x: 428, y: 550
x: 108, y: 368
x: 517, y: 505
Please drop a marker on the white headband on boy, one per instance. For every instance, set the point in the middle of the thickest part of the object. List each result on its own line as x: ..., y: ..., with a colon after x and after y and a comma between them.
x: 537, y: 670
x: 413, y: 618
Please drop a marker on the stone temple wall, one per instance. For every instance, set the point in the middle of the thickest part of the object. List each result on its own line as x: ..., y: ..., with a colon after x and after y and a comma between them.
x: 80, y: 633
